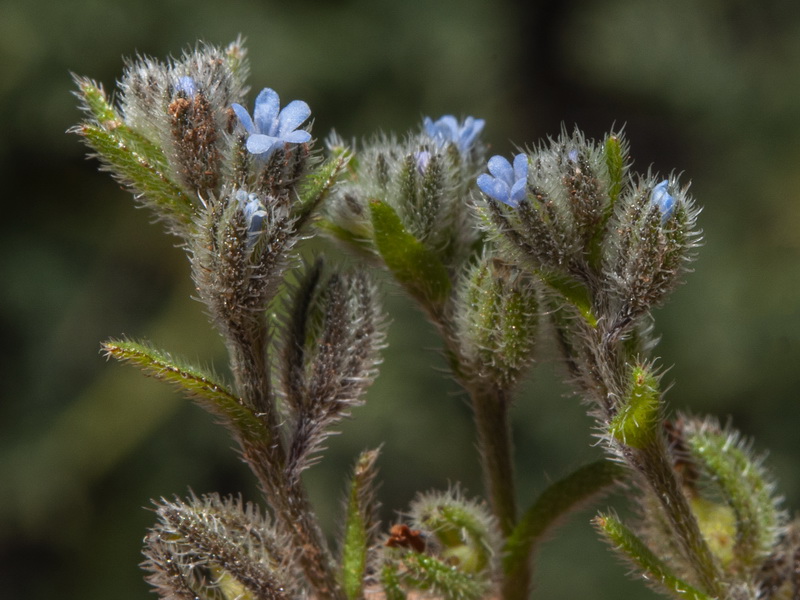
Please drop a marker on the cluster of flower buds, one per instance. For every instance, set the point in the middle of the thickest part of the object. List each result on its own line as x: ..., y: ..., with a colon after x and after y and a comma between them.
x: 565, y: 231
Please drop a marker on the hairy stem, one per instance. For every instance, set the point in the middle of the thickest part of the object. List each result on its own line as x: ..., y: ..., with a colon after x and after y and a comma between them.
x: 250, y: 365
x: 653, y: 462
x: 491, y: 409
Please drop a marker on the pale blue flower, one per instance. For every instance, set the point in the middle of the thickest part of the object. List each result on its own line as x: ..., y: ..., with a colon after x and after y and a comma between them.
x: 187, y: 85
x: 423, y: 158
x: 449, y: 130
x: 271, y: 128
x: 506, y: 184
x: 661, y: 198
x: 254, y: 214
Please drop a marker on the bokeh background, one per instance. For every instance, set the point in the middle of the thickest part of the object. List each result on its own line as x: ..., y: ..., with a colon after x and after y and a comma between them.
x: 709, y: 88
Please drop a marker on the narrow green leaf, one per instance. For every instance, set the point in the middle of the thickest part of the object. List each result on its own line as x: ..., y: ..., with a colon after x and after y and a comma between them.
x: 573, y: 292
x: 197, y: 384
x: 134, y: 169
x: 655, y: 571
x: 106, y: 116
x: 417, y: 268
x: 359, y: 243
x: 317, y: 185
x: 556, y: 502
x: 358, y: 525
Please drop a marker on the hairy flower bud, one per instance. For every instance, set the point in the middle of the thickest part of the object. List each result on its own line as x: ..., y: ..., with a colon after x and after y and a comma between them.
x: 654, y: 236
x: 496, y: 315
x: 426, y: 180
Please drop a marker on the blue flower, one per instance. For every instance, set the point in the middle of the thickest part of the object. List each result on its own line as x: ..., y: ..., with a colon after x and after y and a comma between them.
x: 254, y: 214
x: 448, y: 130
x: 422, y: 158
x: 661, y: 198
x: 506, y: 183
x: 273, y: 127
x: 187, y: 85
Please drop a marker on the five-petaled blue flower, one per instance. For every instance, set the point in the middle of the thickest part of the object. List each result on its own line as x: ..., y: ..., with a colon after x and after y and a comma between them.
x: 449, y: 130
x: 254, y: 214
x: 506, y: 183
x: 661, y: 198
x: 273, y: 127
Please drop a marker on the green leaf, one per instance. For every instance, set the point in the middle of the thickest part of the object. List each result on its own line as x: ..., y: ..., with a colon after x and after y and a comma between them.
x: 417, y: 268
x: 136, y: 169
x: 97, y: 104
x: 358, y: 242
x: 317, y: 185
x: 556, y: 502
x: 638, y: 421
x: 358, y: 524
x: 197, y: 384
x: 655, y: 571
x: 573, y: 292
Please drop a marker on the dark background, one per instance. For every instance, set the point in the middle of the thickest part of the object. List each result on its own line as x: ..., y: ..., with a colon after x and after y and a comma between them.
x: 704, y: 87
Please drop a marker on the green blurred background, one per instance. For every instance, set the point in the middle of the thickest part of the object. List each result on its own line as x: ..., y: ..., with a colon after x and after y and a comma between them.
x: 705, y: 87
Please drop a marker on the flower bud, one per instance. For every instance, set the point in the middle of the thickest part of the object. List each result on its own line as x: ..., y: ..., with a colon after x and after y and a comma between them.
x: 654, y: 235
x: 497, y: 317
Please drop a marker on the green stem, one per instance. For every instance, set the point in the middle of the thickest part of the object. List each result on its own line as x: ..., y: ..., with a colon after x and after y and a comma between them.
x: 552, y: 506
x: 491, y: 409
x: 653, y: 462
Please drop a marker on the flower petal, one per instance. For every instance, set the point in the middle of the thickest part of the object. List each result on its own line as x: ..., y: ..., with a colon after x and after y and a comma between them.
x: 262, y: 144
x: 299, y: 136
x: 518, y: 192
x: 244, y: 117
x: 265, y: 114
x: 493, y: 187
x: 501, y: 168
x: 520, y: 167
x: 292, y: 116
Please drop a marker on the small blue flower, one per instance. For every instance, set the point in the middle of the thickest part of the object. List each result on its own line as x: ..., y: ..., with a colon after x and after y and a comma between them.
x: 423, y: 158
x: 448, y: 130
x: 506, y: 183
x: 661, y: 198
x: 187, y: 85
x: 254, y: 214
x: 273, y: 127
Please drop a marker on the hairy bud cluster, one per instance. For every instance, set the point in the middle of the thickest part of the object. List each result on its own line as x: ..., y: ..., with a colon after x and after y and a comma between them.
x: 584, y: 222
x: 426, y: 179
